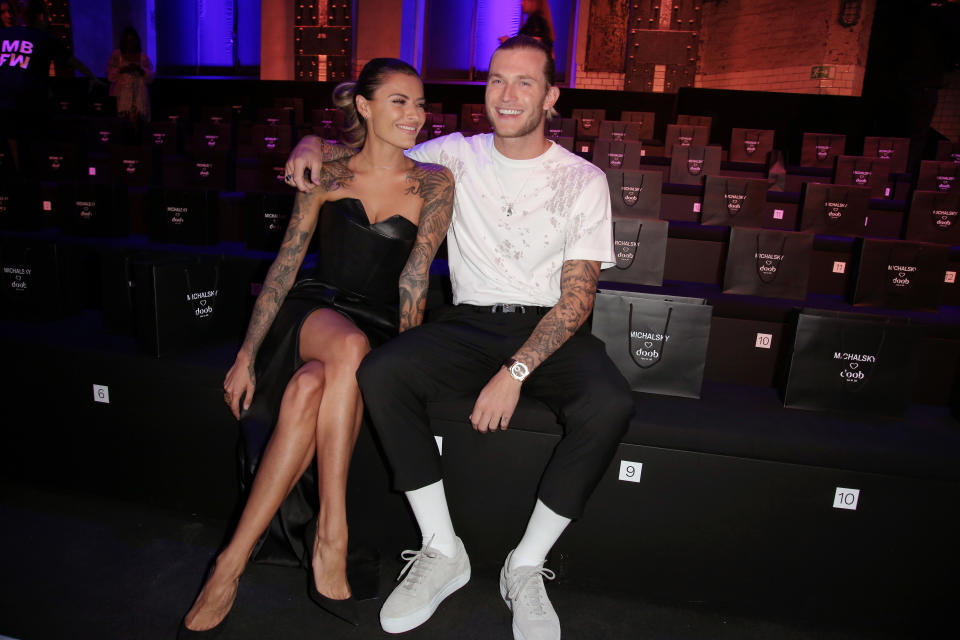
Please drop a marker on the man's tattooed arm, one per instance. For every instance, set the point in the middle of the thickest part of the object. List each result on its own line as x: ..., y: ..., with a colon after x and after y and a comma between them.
x: 283, y: 271
x: 578, y: 288
x: 434, y: 184
x: 335, y: 151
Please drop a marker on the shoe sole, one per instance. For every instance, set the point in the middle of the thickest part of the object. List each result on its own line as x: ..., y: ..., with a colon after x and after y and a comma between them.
x: 418, y: 617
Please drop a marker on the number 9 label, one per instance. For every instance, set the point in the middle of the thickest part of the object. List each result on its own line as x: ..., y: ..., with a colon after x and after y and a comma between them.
x: 630, y: 471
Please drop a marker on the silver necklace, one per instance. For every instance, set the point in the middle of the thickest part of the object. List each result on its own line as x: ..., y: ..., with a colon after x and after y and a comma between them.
x: 509, y: 202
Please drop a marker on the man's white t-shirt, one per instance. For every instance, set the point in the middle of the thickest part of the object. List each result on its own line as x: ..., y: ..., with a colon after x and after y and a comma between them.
x: 500, y: 253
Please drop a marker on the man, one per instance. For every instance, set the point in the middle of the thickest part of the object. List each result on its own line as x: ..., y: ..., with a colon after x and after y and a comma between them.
x: 25, y: 56
x: 531, y: 227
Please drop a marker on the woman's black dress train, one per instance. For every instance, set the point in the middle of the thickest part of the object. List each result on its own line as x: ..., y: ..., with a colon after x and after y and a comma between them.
x: 357, y: 274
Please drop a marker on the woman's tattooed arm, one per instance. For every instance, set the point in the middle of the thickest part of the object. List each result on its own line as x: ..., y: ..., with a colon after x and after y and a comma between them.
x: 283, y: 271
x: 578, y: 288
x: 434, y: 184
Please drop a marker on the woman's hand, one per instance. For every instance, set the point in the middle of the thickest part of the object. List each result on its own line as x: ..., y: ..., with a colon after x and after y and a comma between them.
x: 239, y: 383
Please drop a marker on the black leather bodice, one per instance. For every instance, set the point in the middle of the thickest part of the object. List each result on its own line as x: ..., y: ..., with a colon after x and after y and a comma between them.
x: 362, y: 259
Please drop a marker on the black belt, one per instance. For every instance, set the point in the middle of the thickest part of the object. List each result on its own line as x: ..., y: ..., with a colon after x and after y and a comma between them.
x: 502, y: 307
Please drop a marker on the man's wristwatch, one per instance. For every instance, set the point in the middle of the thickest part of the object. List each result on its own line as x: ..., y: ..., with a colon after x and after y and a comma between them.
x: 517, y: 369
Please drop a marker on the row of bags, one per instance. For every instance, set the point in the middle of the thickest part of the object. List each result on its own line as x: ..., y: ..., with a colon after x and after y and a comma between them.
x: 838, y: 361
x: 175, y: 216
x: 174, y: 303
x: 840, y: 210
x: 168, y: 302
x: 892, y: 274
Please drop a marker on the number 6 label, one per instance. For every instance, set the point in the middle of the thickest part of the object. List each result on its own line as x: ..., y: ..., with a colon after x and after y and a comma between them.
x: 846, y: 498
x: 630, y: 471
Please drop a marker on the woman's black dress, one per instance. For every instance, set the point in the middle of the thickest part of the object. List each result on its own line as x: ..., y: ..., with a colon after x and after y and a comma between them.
x: 357, y: 274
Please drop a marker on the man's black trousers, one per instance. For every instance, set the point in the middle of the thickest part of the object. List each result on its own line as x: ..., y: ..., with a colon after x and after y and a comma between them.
x: 456, y: 354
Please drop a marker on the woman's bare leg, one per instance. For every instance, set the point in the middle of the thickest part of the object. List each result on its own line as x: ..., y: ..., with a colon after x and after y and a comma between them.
x: 338, y: 423
x: 288, y: 453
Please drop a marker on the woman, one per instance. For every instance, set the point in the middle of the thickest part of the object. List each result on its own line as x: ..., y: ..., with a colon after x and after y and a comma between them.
x: 539, y: 22
x: 129, y: 71
x: 8, y: 13
x: 381, y: 213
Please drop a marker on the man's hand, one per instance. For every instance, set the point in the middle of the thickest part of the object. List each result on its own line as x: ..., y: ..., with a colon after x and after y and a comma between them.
x: 308, y: 154
x: 496, y: 403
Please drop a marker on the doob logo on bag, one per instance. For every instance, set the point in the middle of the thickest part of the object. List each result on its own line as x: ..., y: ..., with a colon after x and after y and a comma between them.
x: 768, y: 263
x: 18, y: 277
x: 945, y: 183
x: 175, y: 214
x: 647, y: 347
x: 853, y: 372
x: 899, y: 274
x: 271, y: 221
x: 630, y: 195
x: 694, y: 166
x: 822, y: 151
x: 615, y: 159
x: 750, y: 146
x: 685, y: 141
x: 203, y: 302
x: 861, y: 177
x: 885, y: 154
x: 834, y: 210
x: 87, y: 209
x: 625, y: 249
x: 734, y: 201
x: 131, y: 166
x: 944, y: 218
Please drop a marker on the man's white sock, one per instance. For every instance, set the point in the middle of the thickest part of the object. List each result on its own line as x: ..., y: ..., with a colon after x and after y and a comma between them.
x: 429, y: 506
x: 543, y: 530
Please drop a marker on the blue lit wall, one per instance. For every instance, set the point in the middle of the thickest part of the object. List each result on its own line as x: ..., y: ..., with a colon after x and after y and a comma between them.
x: 200, y: 32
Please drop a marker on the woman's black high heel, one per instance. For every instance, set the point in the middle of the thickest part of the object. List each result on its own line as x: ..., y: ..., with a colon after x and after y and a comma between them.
x: 363, y: 572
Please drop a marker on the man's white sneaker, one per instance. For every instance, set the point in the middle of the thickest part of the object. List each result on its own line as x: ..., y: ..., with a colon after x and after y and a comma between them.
x: 523, y: 591
x: 430, y: 577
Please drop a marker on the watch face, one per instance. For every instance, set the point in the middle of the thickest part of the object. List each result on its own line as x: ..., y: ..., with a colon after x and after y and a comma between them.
x: 519, y: 370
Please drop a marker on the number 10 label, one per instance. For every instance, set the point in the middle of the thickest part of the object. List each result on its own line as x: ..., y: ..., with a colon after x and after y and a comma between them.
x: 630, y: 471
x: 846, y: 498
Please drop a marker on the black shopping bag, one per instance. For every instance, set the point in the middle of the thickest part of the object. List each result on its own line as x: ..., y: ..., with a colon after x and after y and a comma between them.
x: 690, y: 165
x: 764, y: 262
x: 659, y: 343
x: 184, y: 216
x: 873, y: 173
x: 20, y: 204
x: 933, y: 217
x: 621, y: 131
x: 646, y: 120
x: 838, y: 210
x: 38, y: 280
x: 588, y: 122
x: 939, y: 176
x: 267, y: 215
x: 750, y: 145
x: 608, y: 154
x: 685, y: 136
x: 847, y: 362
x: 819, y: 149
x: 730, y: 202
x: 183, y: 303
x: 896, y: 150
x: 900, y: 275
x: 555, y: 128
x: 640, y: 246
x: 95, y: 210
x: 635, y: 193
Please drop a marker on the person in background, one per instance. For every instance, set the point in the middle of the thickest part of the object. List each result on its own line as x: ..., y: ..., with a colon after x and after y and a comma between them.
x: 129, y: 71
x: 8, y: 14
x: 25, y: 57
x: 539, y: 24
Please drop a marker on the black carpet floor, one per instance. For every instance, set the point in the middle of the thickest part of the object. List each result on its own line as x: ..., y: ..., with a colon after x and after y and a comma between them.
x: 87, y: 567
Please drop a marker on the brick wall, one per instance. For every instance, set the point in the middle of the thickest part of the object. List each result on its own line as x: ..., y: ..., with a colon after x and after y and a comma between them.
x: 946, y: 118
x: 608, y: 80
x: 770, y: 45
